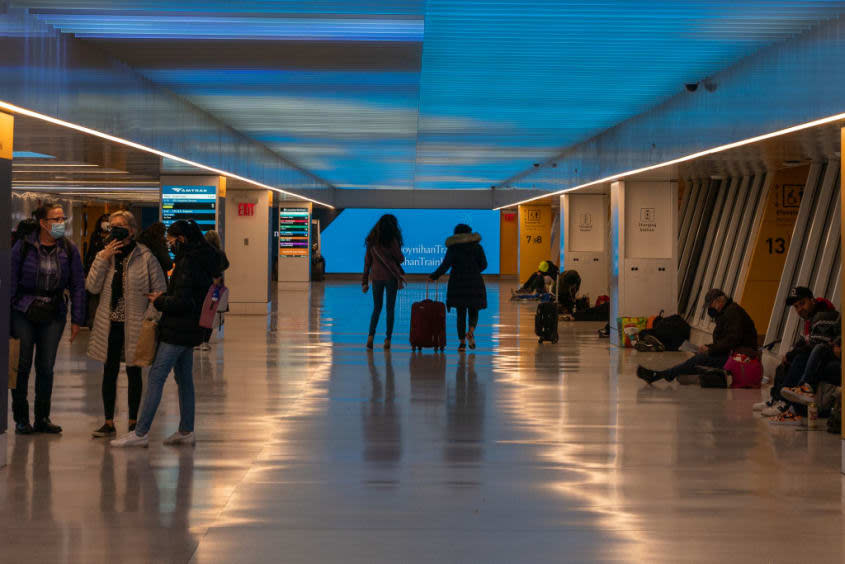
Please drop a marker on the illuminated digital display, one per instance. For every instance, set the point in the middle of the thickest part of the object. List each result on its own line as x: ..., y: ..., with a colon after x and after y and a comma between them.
x: 190, y: 202
x: 293, y: 232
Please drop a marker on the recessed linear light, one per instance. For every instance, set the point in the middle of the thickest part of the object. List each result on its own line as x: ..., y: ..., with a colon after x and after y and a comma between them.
x: 29, y: 113
x: 76, y: 165
x: 714, y: 150
x: 75, y: 171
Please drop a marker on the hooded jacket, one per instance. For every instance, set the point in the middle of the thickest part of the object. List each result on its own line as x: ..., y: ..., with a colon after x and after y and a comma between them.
x: 466, y: 259
x: 735, y: 331
x: 197, y: 265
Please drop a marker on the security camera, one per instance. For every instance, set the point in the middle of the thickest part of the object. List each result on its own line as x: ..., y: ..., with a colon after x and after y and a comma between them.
x: 691, y: 86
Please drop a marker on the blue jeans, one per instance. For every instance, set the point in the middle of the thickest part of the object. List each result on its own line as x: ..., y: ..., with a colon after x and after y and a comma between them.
x: 43, y: 339
x: 689, y: 366
x: 379, y: 286
x: 821, y: 364
x: 181, y: 361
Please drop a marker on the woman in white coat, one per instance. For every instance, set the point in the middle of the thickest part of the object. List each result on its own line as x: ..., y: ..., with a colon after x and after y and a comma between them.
x: 124, y: 273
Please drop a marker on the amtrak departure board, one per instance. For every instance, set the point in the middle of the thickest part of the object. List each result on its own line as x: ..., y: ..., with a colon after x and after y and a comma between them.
x: 293, y: 232
x: 190, y: 202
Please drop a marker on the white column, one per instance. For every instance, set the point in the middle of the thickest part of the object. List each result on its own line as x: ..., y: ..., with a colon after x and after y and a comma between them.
x: 644, y: 247
x: 248, y: 249
x: 586, y: 241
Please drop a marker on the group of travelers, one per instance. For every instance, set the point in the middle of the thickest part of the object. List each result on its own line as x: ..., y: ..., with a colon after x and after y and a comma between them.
x: 125, y: 271
x: 464, y: 259
x: 808, y: 374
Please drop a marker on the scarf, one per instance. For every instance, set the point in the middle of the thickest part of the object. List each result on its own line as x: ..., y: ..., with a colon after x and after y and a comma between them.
x: 120, y: 260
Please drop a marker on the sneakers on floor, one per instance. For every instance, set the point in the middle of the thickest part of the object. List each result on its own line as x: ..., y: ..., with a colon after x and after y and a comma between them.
x: 131, y: 440
x: 762, y: 405
x: 787, y: 418
x: 178, y: 438
x: 803, y: 394
x: 649, y: 376
x: 775, y: 409
x: 105, y: 431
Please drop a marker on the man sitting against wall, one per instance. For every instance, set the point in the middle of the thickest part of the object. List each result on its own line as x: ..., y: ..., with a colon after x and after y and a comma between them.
x: 793, y: 365
x: 734, y: 331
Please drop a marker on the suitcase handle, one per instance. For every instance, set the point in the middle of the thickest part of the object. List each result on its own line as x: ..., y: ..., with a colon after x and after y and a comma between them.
x: 436, y: 289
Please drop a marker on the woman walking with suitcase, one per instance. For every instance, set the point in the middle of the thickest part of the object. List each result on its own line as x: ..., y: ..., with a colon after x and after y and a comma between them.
x: 466, y: 290
x: 382, y: 265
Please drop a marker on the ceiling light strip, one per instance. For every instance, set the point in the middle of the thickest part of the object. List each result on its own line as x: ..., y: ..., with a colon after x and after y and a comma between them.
x: 706, y: 152
x: 82, y: 129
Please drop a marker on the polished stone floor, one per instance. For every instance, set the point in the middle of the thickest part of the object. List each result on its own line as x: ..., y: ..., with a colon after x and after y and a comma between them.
x: 312, y: 450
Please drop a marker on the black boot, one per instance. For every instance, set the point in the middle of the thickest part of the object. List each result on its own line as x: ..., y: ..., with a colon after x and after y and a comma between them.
x: 650, y: 376
x: 23, y: 428
x: 44, y: 425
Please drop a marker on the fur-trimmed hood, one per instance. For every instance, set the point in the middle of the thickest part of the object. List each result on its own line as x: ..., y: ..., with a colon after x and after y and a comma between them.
x: 462, y: 238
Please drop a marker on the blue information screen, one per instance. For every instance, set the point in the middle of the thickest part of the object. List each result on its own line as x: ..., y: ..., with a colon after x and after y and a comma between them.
x: 190, y: 202
x: 424, y: 231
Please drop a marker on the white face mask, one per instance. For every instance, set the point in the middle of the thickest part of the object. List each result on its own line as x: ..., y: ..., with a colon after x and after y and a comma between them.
x: 105, y: 226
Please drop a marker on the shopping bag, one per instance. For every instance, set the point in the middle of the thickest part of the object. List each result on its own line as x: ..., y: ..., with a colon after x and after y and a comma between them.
x: 145, y: 348
x: 629, y: 328
x: 217, y: 293
x: 14, y: 359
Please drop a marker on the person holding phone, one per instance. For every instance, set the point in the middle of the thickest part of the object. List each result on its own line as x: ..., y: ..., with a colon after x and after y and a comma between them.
x: 44, y: 266
x: 122, y: 274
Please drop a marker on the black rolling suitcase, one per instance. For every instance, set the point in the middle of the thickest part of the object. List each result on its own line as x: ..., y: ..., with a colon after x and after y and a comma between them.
x: 546, y: 318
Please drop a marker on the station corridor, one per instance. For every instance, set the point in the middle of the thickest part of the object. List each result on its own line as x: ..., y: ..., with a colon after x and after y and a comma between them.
x: 312, y: 450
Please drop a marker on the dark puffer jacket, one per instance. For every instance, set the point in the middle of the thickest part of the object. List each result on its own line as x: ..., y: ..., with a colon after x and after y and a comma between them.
x: 197, y: 264
x: 734, y: 331
x: 466, y: 258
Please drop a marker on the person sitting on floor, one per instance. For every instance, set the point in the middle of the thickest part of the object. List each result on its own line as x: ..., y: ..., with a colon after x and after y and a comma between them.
x: 734, y: 331
x: 545, y: 275
x: 791, y: 371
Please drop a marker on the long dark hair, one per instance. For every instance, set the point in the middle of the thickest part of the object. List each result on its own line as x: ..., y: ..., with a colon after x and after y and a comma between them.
x: 384, y: 232
x: 188, y: 229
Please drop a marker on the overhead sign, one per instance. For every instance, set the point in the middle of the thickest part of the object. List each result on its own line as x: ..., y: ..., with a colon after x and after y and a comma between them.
x: 293, y: 232
x: 190, y: 202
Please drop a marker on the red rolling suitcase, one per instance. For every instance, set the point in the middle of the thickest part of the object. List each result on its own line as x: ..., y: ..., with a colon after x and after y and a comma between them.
x: 428, y: 323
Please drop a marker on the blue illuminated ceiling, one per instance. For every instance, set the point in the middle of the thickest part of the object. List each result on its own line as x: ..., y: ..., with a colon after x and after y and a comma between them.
x: 428, y: 94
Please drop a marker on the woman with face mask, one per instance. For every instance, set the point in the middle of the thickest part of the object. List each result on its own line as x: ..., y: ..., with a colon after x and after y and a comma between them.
x: 197, y: 265
x: 122, y: 274
x: 97, y: 242
x: 44, y: 265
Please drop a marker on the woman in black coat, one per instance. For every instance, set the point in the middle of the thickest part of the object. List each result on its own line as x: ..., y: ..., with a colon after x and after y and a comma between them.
x: 466, y: 290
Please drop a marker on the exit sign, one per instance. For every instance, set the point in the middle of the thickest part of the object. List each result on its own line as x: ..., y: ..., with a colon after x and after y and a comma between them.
x: 245, y: 208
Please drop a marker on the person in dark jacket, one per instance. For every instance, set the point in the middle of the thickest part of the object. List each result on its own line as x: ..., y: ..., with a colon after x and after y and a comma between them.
x: 197, y: 265
x: 98, y: 241
x: 466, y: 291
x: 153, y: 238
x: 734, y: 332
x: 44, y: 265
x: 383, y: 265
x: 794, y: 363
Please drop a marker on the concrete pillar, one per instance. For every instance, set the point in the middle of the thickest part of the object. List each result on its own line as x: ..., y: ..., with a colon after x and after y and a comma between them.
x: 6, y: 133
x: 247, y: 227
x: 644, y: 249
x: 586, y: 240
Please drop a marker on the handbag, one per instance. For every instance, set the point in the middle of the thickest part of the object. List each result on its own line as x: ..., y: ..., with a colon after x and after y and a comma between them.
x: 747, y: 371
x: 145, y: 348
x: 14, y: 360
x: 42, y: 311
x: 217, y: 293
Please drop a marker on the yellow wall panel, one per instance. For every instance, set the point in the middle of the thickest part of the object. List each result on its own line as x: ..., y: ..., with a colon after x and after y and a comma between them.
x: 509, y: 243
x: 772, y: 245
x: 535, y: 232
x: 7, y: 127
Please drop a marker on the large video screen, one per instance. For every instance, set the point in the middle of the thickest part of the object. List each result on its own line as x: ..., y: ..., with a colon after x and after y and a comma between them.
x: 424, y: 231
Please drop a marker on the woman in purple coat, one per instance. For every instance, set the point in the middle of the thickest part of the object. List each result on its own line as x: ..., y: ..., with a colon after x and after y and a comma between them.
x: 44, y: 266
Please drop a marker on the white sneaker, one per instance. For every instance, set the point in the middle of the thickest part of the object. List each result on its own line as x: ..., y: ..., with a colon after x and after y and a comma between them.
x: 762, y: 405
x: 178, y: 438
x: 131, y: 440
x: 775, y: 409
x: 205, y: 347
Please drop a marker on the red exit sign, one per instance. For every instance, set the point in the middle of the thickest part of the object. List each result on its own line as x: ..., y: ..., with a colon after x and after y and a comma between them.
x: 245, y: 208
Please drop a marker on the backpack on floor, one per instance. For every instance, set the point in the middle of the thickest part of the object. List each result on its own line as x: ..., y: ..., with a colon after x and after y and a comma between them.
x: 672, y: 331
x: 646, y: 342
